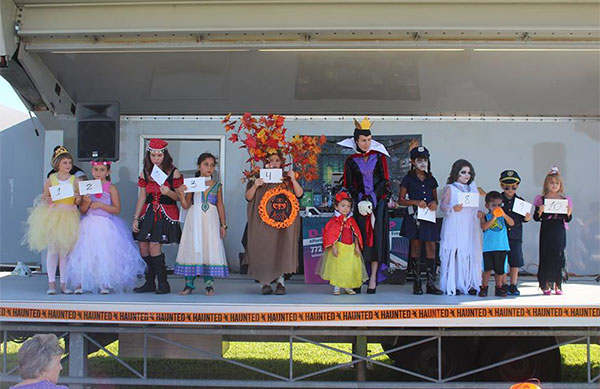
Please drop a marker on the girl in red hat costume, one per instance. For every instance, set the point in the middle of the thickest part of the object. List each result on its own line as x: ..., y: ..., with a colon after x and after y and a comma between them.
x: 156, y: 218
x: 341, y: 263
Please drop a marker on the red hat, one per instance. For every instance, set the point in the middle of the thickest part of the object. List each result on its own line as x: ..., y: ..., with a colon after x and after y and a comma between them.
x: 157, y: 145
x: 341, y: 196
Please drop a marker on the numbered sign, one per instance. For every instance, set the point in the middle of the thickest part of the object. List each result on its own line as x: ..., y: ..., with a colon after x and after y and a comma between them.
x: 468, y: 199
x: 271, y: 175
x: 426, y: 214
x: 521, y: 207
x: 556, y: 206
x: 62, y: 191
x: 158, y: 175
x: 90, y: 187
x: 196, y: 184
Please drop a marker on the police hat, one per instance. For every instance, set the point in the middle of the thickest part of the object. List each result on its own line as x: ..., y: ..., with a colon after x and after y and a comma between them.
x: 510, y: 177
x: 419, y: 152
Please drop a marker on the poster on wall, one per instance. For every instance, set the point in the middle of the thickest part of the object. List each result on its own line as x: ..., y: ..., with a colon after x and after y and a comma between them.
x: 320, y: 193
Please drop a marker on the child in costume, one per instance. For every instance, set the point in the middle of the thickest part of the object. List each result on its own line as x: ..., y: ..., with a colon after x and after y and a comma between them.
x: 105, y: 257
x: 509, y: 182
x: 201, y: 251
x: 341, y: 263
x: 418, y: 189
x: 367, y: 179
x: 495, y: 243
x: 460, y: 244
x: 271, y: 252
x: 54, y: 225
x: 553, y: 235
x: 156, y: 218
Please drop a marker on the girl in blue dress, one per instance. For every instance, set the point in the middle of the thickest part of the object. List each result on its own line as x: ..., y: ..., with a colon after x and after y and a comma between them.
x: 419, y: 190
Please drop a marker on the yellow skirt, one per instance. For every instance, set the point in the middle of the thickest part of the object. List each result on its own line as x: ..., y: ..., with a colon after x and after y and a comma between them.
x: 347, y: 270
x: 54, y: 228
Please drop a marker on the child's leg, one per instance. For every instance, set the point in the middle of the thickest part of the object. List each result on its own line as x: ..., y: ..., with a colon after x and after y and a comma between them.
x: 336, y: 290
x: 62, y: 265
x: 209, y: 282
x: 430, y: 268
x: 514, y: 275
x: 189, y: 282
x: 415, y: 260
x: 51, y: 265
x: 485, y: 278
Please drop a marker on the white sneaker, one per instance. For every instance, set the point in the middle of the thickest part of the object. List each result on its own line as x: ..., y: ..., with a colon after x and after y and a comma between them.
x: 78, y: 291
x: 66, y: 291
x: 336, y: 291
x: 349, y: 291
x: 51, y: 291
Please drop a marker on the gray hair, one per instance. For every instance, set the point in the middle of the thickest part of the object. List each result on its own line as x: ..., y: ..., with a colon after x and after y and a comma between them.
x: 36, y: 354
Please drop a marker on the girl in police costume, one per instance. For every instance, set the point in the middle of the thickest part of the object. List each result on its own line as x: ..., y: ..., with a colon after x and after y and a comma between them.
x: 341, y: 263
x: 156, y: 218
x: 418, y: 189
x: 553, y: 234
x: 460, y: 244
x: 54, y: 225
x: 201, y: 251
x: 105, y: 257
x: 367, y: 178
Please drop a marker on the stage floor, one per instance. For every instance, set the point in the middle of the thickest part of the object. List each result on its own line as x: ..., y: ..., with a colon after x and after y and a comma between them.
x: 238, y: 302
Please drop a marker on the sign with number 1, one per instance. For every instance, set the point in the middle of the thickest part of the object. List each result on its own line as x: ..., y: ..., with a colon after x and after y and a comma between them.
x: 62, y: 191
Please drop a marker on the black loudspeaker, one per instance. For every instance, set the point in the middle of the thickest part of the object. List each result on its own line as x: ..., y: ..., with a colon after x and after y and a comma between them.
x: 97, y: 131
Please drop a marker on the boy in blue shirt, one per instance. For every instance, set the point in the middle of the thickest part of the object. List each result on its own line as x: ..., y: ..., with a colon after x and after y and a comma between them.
x: 495, y: 243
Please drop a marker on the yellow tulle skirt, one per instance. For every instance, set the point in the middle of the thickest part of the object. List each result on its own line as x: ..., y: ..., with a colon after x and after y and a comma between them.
x: 347, y: 270
x: 54, y: 227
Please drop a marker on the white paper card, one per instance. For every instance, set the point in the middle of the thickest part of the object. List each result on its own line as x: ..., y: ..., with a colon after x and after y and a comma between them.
x: 470, y: 199
x: 521, y: 207
x: 62, y: 191
x: 90, y: 187
x: 158, y: 175
x: 426, y: 214
x: 271, y: 175
x: 556, y: 206
x: 196, y: 184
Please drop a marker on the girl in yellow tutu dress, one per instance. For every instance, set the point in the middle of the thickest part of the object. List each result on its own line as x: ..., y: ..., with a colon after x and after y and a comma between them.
x: 54, y: 224
x: 341, y: 263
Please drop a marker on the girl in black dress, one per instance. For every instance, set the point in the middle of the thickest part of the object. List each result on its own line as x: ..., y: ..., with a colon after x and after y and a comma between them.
x: 419, y: 190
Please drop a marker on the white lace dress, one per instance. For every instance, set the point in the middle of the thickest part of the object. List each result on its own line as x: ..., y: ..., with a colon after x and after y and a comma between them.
x: 460, y: 244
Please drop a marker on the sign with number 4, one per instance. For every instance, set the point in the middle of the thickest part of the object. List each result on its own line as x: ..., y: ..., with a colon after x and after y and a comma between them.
x: 271, y: 175
x: 90, y: 187
x: 556, y: 206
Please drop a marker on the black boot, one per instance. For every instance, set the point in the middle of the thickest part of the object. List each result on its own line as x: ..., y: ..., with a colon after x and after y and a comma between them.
x: 416, y: 272
x: 430, y: 271
x: 160, y: 267
x: 149, y: 285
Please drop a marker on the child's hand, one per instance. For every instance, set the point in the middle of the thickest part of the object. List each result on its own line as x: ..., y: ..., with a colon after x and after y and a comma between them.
x: 527, y: 217
x: 135, y: 226
x: 569, y: 211
x: 457, y: 208
x: 77, y: 199
x: 86, y: 199
x: 433, y: 206
x: 541, y: 210
x: 357, y: 249
x: 259, y: 182
x: 181, y: 189
x: 422, y: 204
x: 223, y: 232
x: 480, y: 215
x: 291, y: 174
x: 164, y: 189
x: 96, y: 205
x: 334, y: 250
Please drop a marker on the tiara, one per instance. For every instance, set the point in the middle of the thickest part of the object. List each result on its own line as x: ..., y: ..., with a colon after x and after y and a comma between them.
x: 60, y: 151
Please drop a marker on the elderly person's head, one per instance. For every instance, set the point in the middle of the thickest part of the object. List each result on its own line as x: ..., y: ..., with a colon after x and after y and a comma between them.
x: 39, y: 358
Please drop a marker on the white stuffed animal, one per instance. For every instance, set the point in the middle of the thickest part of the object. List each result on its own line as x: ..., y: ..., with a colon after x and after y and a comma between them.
x: 365, y: 207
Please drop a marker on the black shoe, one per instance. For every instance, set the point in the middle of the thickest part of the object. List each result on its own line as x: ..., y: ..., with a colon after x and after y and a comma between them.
x: 513, y: 290
x: 431, y: 288
x: 483, y: 291
x: 160, y: 267
x: 149, y: 285
x: 416, y: 273
x: 472, y: 292
x: 357, y: 290
x: 500, y: 292
x: 371, y: 291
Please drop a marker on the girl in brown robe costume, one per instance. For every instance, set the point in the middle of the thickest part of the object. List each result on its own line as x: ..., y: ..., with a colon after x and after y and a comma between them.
x: 271, y: 252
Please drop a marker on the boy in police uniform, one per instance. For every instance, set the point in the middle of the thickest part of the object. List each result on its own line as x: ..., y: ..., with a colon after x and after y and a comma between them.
x: 509, y: 182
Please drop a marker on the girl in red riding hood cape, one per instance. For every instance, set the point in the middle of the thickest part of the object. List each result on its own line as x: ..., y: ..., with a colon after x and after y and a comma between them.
x: 341, y: 263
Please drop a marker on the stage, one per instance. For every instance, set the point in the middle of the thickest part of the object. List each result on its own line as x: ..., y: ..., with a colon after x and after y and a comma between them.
x: 238, y: 302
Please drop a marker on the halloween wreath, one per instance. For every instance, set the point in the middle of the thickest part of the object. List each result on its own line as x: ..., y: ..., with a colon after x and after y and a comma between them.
x: 279, y: 207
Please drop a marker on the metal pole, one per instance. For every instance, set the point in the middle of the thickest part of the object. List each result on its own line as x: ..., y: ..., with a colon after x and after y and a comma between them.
x: 77, y: 357
x: 361, y: 349
x: 291, y: 358
x: 4, y: 341
x: 439, y: 353
x: 145, y: 355
x: 589, y: 361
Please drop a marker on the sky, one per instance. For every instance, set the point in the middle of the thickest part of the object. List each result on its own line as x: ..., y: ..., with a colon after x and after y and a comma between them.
x: 9, y: 98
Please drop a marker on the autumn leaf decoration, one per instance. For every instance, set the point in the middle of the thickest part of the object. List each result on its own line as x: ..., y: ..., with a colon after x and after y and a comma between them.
x: 267, y: 135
